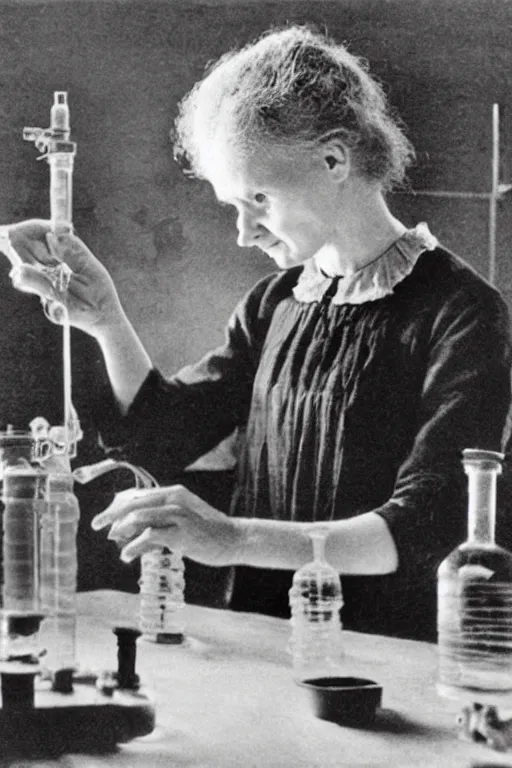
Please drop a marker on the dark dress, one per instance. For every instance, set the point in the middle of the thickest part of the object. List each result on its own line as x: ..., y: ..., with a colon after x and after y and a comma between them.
x: 346, y: 408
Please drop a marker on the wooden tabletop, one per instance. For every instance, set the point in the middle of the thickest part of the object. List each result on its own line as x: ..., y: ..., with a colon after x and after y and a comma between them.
x: 227, y: 699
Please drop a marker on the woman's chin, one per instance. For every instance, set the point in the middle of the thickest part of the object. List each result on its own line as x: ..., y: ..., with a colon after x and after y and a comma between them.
x: 283, y: 257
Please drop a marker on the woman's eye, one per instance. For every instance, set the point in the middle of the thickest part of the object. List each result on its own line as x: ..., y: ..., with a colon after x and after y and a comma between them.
x: 260, y: 198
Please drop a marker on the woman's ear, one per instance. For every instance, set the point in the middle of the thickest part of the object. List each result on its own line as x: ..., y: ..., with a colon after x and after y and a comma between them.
x: 336, y: 160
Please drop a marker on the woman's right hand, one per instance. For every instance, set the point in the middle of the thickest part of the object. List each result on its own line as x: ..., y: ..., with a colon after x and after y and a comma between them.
x: 91, y: 298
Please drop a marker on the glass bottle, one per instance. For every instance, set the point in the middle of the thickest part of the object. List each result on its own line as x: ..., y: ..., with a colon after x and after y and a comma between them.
x: 315, y: 601
x: 475, y: 596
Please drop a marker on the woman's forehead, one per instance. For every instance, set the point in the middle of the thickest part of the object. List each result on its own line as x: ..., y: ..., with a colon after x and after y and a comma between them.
x: 230, y: 170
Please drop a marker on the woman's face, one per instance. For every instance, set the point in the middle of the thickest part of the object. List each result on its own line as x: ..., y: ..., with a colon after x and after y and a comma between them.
x: 286, y: 203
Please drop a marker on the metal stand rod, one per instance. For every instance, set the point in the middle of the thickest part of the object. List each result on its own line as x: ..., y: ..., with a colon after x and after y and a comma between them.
x: 493, y: 199
x: 498, y: 190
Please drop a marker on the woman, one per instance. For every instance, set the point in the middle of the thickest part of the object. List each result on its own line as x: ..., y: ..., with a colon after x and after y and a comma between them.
x: 357, y: 373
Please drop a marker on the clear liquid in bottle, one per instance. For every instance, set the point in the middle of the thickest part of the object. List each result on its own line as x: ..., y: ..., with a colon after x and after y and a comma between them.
x: 315, y: 601
x: 475, y: 597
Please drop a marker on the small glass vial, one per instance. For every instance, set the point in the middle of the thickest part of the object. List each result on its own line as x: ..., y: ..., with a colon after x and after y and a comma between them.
x: 315, y: 603
x: 475, y: 596
x: 162, y: 600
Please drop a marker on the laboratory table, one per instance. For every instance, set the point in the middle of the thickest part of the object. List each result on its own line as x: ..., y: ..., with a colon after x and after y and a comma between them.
x: 226, y: 699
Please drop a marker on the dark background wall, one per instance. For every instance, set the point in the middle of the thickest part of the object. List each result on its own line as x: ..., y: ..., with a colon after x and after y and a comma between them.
x: 171, y: 251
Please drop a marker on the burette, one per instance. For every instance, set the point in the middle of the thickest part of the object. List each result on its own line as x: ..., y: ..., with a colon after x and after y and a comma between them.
x: 59, y: 151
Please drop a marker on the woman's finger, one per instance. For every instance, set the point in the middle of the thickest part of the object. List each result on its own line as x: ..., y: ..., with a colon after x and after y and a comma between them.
x: 29, y: 243
x: 67, y: 248
x: 58, y: 245
x: 149, y: 540
x: 126, y: 502
x: 31, y: 229
x: 30, y: 279
x: 115, y: 511
x: 136, y: 521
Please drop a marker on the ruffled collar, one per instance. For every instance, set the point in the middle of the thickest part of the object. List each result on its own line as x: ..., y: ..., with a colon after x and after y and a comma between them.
x: 375, y: 280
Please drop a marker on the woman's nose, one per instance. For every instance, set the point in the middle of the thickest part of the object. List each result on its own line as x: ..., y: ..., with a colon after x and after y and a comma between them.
x: 249, y: 230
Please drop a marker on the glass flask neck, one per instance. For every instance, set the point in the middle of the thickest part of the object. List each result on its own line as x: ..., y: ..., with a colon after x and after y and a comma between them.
x: 60, y: 483
x: 318, y: 537
x: 482, y: 469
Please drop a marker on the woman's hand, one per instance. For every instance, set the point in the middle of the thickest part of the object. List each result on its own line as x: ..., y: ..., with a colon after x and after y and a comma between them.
x: 91, y: 297
x: 173, y: 517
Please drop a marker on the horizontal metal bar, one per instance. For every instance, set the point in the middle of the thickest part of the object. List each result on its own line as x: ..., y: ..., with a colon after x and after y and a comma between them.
x: 439, y: 193
x: 502, y: 189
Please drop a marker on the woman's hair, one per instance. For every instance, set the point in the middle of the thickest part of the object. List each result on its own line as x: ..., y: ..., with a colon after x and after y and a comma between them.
x: 292, y: 87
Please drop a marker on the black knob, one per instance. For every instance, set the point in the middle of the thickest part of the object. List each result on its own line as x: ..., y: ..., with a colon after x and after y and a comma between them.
x: 126, y: 655
x: 18, y: 689
x: 63, y: 680
x: 23, y: 624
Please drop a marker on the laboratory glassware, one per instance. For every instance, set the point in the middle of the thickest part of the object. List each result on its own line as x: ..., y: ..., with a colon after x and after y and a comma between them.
x: 475, y: 596
x: 315, y: 601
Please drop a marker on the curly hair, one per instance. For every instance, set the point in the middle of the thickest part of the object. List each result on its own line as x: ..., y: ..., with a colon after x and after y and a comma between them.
x: 293, y: 87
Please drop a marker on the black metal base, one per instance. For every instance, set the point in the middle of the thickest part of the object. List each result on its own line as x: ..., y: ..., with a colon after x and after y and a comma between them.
x: 89, y: 719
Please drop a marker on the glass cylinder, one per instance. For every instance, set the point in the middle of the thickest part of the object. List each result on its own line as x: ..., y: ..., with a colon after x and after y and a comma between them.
x: 40, y: 523
x: 162, y: 596
x: 58, y: 568
x: 24, y: 498
x: 17, y: 448
x: 475, y: 596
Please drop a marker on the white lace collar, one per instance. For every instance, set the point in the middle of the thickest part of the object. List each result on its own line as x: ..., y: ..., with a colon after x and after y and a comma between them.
x: 375, y: 280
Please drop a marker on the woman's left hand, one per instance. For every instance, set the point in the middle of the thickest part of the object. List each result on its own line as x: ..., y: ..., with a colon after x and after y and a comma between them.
x: 145, y: 520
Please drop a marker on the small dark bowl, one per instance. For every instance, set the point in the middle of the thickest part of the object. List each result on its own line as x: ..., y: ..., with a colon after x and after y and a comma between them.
x: 344, y: 700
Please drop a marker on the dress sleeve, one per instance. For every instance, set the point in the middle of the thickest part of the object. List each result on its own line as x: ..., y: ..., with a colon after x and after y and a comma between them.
x: 173, y: 421
x: 465, y: 398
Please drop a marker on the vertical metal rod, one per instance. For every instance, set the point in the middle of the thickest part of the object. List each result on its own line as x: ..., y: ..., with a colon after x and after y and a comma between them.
x: 493, y: 199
